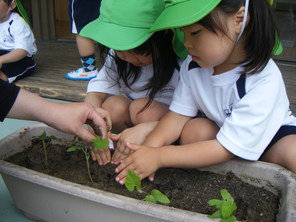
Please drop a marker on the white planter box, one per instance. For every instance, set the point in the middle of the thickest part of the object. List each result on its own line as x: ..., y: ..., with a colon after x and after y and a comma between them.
x: 46, y: 198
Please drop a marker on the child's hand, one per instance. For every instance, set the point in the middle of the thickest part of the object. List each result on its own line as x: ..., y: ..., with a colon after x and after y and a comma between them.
x: 144, y: 162
x: 136, y: 134
x: 121, y: 150
x: 102, y: 156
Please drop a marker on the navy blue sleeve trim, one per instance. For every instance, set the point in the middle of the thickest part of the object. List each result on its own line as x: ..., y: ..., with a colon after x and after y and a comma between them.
x: 241, y: 85
x: 193, y: 65
x: 8, y: 95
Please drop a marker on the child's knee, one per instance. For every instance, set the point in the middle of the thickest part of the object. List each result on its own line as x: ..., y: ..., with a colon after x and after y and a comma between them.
x: 140, y: 114
x: 118, y: 109
x: 3, y: 76
x: 198, y: 129
x: 283, y: 153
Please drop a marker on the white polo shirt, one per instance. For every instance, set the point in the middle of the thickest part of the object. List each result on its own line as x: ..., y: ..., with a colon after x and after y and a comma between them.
x: 106, y: 82
x: 247, y: 124
x: 17, y: 34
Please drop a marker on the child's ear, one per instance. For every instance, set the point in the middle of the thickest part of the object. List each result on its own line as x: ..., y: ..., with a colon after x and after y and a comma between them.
x: 238, y: 19
x: 12, y: 5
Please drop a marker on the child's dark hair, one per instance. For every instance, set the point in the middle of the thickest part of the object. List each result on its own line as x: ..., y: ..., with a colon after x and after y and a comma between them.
x: 8, y: 1
x: 260, y: 34
x: 164, y: 59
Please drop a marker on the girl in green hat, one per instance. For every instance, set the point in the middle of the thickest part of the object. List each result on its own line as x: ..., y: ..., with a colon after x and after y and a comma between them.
x: 230, y: 77
x: 140, y: 73
x: 17, y: 42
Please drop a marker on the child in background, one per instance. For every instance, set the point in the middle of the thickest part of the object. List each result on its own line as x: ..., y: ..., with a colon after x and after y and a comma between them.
x: 17, y: 43
x: 81, y: 13
x: 230, y: 77
x: 141, y: 70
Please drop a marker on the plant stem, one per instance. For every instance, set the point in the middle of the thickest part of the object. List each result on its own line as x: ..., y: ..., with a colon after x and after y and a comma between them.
x: 87, y: 165
x: 45, y: 153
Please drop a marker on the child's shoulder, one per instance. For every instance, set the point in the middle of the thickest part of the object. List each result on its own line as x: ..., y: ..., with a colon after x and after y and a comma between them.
x: 17, y: 19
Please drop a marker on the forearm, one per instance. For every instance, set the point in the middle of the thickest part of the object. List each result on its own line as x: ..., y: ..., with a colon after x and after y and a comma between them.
x: 96, y: 99
x: 167, y: 131
x: 13, y: 56
x: 195, y: 155
x: 30, y: 107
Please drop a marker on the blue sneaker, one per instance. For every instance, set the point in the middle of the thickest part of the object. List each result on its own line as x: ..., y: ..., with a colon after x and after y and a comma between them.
x: 80, y: 74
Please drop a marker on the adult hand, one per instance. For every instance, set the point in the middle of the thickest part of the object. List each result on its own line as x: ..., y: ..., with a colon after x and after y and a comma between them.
x: 71, y: 117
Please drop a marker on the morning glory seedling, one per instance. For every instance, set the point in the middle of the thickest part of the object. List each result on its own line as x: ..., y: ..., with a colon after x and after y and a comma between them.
x: 46, y: 140
x: 225, y: 207
x: 98, y: 144
x: 133, y: 181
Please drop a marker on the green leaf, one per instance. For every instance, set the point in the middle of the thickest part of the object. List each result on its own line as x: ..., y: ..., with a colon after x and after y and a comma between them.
x: 229, y: 205
x: 227, y: 196
x: 74, y: 148
x: 229, y: 219
x: 215, y: 203
x: 53, y: 138
x: 226, y: 210
x: 217, y: 214
x: 160, y: 197
x: 42, y: 136
x: 150, y: 198
x: 132, y: 180
x: 100, y: 143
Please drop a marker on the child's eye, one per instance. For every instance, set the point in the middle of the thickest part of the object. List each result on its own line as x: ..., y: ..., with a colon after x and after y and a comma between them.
x: 194, y: 33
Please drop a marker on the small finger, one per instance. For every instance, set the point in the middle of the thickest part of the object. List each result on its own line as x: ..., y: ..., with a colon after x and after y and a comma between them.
x: 151, y: 177
x: 93, y: 155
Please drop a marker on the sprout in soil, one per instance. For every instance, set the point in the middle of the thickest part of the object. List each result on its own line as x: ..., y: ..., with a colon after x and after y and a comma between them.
x: 225, y: 207
x: 133, y: 181
x: 98, y: 144
x: 46, y: 140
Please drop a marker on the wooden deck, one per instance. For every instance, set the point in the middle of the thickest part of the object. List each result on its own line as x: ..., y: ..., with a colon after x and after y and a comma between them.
x: 55, y: 58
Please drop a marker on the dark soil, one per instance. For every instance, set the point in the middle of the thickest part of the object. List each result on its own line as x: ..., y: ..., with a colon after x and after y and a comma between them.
x: 188, y: 189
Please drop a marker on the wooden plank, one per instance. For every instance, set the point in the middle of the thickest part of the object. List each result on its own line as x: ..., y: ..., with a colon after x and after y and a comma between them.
x: 289, y: 76
x: 53, y: 60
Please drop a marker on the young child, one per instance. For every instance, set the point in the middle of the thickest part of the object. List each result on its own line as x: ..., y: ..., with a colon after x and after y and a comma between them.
x: 230, y: 77
x: 141, y: 70
x: 17, y: 43
x: 81, y: 13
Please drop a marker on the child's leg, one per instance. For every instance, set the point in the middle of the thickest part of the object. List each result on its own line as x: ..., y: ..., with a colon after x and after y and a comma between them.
x: 3, y: 76
x: 86, y: 47
x: 19, y: 69
x: 118, y: 107
x: 198, y: 129
x: 80, y: 15
x: 152, y: 113
x: 283, y: 152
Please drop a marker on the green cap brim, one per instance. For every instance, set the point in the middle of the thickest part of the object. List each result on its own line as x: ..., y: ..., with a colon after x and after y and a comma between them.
x: 278, y: 47
x: 183, y: 13
x: 114, y: 36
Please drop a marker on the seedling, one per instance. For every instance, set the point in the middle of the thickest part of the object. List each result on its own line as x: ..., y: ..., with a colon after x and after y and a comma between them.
x: 46, y: 140
x: 133, y: 181
x: 225, y: 207
x: 98, y: 144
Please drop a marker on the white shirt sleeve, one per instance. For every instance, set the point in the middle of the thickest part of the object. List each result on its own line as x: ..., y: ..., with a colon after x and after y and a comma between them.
x: 106, y: 80
x: 256, y: 118
x: 182, y: 102
x: 23, y: 36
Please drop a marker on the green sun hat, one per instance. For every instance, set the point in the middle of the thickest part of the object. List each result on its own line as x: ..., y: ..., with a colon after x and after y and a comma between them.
x: 123, y: 24
x: 178, y: 13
